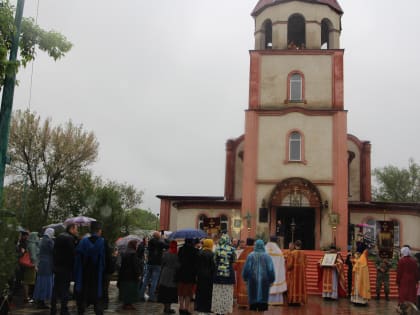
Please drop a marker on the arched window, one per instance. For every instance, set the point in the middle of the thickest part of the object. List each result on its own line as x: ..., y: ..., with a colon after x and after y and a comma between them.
x: 296, y: 85
x: 296, y: 34
x: 295, y: 146
x: 224, y: 223
x: 326, y: 26
x: 268, y: 34
x: 201, y: 219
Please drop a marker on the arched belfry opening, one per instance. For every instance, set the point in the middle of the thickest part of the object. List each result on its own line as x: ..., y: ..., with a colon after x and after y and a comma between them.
x: 268, y: 34
x: 297, y: 203
x: 326, y: 27
x: 296, y: 30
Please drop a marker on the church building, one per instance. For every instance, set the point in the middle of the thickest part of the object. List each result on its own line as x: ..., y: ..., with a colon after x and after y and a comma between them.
x: 296, y: 162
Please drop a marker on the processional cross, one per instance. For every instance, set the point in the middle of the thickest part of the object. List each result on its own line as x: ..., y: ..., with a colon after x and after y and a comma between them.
x: 248, y: 220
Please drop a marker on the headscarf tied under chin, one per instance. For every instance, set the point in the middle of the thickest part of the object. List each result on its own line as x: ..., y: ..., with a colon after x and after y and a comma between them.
x: 208, y: 244
x: 259, y: 246
x: 405, y: 251
x: 49, y: 232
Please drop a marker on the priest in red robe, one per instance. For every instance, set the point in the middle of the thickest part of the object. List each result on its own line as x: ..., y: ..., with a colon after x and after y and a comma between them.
x: 296, y: 267
x: 407, y: 277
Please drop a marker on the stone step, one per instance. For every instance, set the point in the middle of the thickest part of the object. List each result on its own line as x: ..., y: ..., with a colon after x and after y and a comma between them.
x: 312, y: 275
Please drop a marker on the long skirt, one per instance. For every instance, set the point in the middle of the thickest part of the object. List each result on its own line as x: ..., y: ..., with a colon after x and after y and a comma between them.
x: 204, y: 296
x: 43, y: 288
x: 222, y: 299
x: 129, y: 291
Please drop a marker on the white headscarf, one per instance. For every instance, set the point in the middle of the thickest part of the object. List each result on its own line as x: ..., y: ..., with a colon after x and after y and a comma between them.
x: 405, y: 251
x: 49, y: 232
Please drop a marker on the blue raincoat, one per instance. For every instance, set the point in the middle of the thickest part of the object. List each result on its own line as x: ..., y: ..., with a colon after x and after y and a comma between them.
x: 259, y: 274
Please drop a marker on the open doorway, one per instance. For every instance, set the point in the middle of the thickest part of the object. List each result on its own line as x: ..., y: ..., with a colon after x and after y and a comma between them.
x: 304, y: 220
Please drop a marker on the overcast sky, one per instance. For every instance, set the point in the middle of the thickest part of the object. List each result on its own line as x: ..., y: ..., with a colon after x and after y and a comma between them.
x: 163, y: 84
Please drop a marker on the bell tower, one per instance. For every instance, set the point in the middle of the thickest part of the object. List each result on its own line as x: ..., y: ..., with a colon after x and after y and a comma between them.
x: 295, y: 160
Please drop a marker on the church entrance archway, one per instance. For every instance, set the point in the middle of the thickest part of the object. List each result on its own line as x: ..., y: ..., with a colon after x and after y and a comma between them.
x: 297, y: 203
x: 299, y: 224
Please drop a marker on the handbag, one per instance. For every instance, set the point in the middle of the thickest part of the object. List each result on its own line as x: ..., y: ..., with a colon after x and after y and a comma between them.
x: 25, y: 260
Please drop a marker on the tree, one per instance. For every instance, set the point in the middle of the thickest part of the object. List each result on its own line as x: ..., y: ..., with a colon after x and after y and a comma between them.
x: 47, y: 157
x: 31, y: 37
x: 397, y: 184
x: 110, y: 204
x: 8, y: 238
x: 139, y: 219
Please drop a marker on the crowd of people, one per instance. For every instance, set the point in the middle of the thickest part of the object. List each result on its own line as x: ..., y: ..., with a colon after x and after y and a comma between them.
x: 206, y: 275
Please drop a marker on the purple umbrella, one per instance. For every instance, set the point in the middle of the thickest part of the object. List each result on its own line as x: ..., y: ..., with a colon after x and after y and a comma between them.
x: 188, y: 233
x: 80, y: 220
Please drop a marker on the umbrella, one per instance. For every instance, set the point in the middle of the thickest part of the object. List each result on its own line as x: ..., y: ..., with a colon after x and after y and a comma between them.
x: 58, y: 227
x: 80, y: 220
x: 122, y: 242
x: 188, y: 233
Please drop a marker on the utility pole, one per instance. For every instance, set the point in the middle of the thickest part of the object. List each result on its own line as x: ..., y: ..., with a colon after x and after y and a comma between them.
x: 7, y: 99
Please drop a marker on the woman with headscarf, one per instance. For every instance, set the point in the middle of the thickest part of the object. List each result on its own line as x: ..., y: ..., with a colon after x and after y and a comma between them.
x: 128, y: 276
x: 206, y: 268
x: 44, y: 278
x: 186, y: 275
x: 259, y: 275
x: 224, y: 278
x: 167, y: 292
x: 361, y: 285
x: 407, y: 277
x: 29, y: 274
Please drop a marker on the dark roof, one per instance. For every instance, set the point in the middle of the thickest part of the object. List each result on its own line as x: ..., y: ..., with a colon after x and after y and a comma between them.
x: 380, y: 205
x: 262, y: 4
x: 191, y: 198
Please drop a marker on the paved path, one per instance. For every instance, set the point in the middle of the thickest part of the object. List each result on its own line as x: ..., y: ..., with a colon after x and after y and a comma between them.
x: 316, y: 306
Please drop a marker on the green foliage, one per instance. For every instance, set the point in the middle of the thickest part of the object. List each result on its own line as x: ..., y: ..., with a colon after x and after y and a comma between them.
x: 50, y: 159
x: 31, y: 37
x: 107, y: 208
x: 139, y: 219
x: 49, y: 180
x: 397, y: 184
x: 74, y: 196
x: 8, y: 257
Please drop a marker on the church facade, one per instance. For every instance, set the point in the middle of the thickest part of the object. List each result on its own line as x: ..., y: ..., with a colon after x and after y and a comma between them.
x: 295, y: 162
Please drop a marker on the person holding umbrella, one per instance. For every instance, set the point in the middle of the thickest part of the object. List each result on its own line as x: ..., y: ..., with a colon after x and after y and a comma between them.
x: 63, y: 258
x: 128, y: 276
x: 186, y: 275
x: 90, y: 266
x: 155, y: 251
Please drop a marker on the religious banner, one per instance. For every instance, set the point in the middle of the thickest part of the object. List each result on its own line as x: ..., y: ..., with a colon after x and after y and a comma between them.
x: 385, y: 238
x: 211, y: 225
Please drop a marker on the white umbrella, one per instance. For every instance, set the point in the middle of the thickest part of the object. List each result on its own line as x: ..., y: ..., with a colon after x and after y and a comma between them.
x: 80, y: 220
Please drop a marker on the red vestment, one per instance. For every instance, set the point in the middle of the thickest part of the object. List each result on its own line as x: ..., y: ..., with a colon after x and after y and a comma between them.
x: 241, y: 288
x: 325, y: 278
x: 296, y: 277
x: 407, y: 277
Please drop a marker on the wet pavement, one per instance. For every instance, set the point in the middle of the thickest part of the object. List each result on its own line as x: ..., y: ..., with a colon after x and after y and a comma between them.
x: 316, y: 306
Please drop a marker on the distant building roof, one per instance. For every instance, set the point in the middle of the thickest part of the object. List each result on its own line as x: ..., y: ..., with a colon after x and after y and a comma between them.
x: 262, y: 4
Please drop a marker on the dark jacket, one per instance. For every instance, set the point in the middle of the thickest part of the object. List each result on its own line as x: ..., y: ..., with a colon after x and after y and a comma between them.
x: 155, y: 250
x: 64, y: 252
x: 130, y: 266
x: 187, y: 271
x: 170, y: 264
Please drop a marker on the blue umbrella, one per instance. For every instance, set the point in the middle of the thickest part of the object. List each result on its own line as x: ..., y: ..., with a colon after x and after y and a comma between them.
x: 188, y: 233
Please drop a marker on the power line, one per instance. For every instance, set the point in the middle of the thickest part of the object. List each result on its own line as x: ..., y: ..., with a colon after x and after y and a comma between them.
x: 33, y: 61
